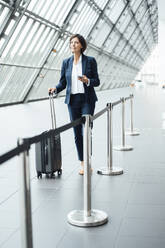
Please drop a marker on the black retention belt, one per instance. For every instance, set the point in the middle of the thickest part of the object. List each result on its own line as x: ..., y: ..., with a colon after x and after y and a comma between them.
x: 32, y: 140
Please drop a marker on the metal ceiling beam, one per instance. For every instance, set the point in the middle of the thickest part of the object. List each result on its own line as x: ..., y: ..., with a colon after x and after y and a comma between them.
x: 138, y: 24
x: 101, y: 15
x: 113, y: 26
x: 136, y: 27
x: 133, y: 33
x: 149, y: 7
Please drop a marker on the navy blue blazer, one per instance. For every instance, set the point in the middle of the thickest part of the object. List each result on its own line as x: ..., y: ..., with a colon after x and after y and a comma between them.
x: 89, y: 68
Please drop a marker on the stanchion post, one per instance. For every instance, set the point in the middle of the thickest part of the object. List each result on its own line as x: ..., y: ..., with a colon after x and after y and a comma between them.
x: 110, y: 170
x: 109, y: 137
x: 132, y: 131
x: 87, y: 217
x: 131, y: 101
x: 123, y: 147
x: 87, y: 167
x: 123, y: 122
x: 25, y: 198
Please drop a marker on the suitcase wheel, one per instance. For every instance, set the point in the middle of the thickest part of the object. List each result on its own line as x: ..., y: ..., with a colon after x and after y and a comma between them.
x: 59, y: 172
x: 52, y: 175
x: 39, y: 175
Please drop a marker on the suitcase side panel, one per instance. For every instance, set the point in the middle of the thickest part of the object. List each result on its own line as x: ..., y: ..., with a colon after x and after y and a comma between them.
x: 55, y: 153
x: 41, y: 151
x: 38, y: 156
x: 48, y: 155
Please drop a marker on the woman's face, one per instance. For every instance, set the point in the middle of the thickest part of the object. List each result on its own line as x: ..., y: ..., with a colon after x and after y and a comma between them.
x: 75, y: 45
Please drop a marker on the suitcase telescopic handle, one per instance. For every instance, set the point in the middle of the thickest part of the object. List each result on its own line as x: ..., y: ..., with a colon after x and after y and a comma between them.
x: 52, y: 110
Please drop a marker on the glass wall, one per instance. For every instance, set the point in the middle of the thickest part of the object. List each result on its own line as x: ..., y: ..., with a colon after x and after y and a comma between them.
x: 34, y: 40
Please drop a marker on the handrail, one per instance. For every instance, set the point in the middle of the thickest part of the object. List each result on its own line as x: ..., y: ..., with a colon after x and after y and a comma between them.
x: 116, y: 103
x: 53, y: 132
x: 129, y: 97
x: 35, y: 139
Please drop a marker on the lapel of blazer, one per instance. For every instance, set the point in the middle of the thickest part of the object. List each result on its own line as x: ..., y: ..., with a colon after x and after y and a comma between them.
x: 84, y: 62
x: 70, y: 69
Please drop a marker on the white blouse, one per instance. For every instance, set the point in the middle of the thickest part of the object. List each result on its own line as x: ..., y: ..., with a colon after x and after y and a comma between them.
x: 77, y: 85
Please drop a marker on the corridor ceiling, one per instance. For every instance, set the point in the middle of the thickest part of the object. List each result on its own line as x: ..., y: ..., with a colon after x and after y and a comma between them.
x: 34, y: 40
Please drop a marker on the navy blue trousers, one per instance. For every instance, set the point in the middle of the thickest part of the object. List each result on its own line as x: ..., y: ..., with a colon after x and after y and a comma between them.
x: 77, y: 108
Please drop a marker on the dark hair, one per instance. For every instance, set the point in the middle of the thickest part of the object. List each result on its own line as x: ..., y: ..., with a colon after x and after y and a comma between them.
x: 81, y: 40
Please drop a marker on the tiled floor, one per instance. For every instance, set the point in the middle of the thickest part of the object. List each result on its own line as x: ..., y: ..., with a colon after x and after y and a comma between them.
x: 134, y: 201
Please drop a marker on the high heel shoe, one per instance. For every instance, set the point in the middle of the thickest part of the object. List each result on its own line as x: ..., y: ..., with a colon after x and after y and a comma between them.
x: 81, y: 172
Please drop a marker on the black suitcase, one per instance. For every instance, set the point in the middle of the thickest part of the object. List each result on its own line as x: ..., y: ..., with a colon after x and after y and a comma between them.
x: 48, y: 151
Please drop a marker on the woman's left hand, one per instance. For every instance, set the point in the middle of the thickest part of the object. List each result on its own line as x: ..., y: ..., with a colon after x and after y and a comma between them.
x: 83, y: 79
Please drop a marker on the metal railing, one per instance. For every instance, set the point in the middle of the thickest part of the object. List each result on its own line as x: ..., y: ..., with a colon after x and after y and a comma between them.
x: 88, y: 216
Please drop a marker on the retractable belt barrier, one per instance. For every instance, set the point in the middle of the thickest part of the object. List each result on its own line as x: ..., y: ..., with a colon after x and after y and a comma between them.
x: 99, y: 114
x: 88, y: 216
x: 27, y: 142
x: 116, y: 103
x: 32, y: 140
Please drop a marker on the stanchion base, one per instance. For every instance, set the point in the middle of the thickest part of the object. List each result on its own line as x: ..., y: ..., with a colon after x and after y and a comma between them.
x: 133, y: 132
x: 78, y: 218
x: 112, y: 172
x: 123, y: 148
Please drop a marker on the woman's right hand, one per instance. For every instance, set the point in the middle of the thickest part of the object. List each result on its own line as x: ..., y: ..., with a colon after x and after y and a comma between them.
x: 51, y: 90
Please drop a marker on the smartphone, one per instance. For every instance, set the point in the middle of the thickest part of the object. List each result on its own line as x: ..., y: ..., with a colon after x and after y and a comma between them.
x: 80, y: 77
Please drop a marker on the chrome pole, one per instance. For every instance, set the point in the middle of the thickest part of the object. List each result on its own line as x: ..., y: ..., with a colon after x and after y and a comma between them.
x: 25, y: 198
x: 109, y: 137
x: 131, y: 114
x: 87, y: 217
x: 123, y: 122
x: 87, y: 167
x: 132, y: 131
x: 123, y: 147
x: 110, y: 171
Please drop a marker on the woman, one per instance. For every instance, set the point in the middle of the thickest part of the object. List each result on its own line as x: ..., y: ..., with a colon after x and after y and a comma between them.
x: 79, y: 76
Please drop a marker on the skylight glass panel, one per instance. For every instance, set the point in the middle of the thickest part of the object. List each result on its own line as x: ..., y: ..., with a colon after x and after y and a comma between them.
x: 100, y: 33
x: 101, y: 3
x: 114, y: 9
